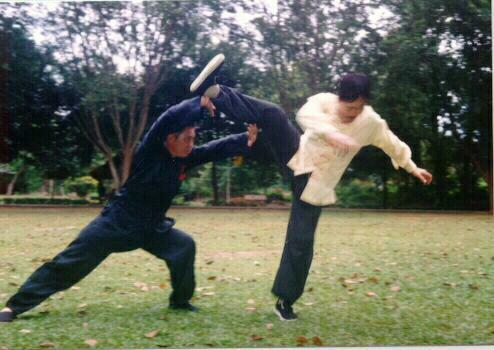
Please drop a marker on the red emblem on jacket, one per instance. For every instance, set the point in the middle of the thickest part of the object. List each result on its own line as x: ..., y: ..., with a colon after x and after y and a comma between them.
x: 182, y: 175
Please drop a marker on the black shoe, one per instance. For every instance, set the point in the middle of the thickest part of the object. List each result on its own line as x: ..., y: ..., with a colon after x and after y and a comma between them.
x: 284, y: 311
x: 184, y: 307
x: 207, y: 77
x: 6, y: 316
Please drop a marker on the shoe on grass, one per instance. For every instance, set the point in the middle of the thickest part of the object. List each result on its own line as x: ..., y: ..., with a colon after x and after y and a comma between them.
x: 185, y: 307
x: 284, y: 311
x: 6, y: 316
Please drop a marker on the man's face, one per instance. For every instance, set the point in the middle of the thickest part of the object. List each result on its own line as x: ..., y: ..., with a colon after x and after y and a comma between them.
x: 348, y: 111
x: 181, y: 144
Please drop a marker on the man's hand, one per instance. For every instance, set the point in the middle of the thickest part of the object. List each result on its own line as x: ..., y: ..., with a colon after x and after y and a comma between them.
x: 252, y: 131
x: 423, y: 175
x: 206, y: 102
x: 341, y: 142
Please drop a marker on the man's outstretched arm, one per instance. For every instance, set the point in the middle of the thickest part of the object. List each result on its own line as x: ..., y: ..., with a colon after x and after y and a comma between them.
x: 226, y: 147
x: 398, y: 151
x: 175, y: 119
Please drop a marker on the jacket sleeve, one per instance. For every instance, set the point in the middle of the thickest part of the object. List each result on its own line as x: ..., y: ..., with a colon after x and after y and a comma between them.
x: 397, y: 150
x: 225, y: 147
x: 311, y: 116
x: 174, y: 119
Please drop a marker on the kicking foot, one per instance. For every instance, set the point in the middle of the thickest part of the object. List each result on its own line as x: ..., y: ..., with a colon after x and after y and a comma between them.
x: 185, y: 307
x: 204, y: 84
x: 284, y: 311
x: 7, y: 315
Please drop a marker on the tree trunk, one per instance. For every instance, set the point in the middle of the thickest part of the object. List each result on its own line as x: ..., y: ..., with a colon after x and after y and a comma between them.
x: 51, y: 187
x: 465, y: 182
x: 228, y: 185
x: 127, y: 157
x: 384, y: 179
x: 114, y: 172
x: 11, y: 186
x: 4, y: 111
x: 214, y: 183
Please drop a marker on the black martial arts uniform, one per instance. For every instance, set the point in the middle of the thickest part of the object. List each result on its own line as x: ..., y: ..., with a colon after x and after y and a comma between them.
x: 283, y: 139
x: 135, y: 217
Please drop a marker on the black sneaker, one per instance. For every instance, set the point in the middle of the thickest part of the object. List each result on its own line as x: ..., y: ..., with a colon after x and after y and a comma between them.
x: 207, y: 78
x: 284, y: 311
x: 6, y: 316
x: 184, y: 307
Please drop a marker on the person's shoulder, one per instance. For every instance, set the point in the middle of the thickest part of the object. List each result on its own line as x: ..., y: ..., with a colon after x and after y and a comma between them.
x: 371, y: 115
x: 323, y: 97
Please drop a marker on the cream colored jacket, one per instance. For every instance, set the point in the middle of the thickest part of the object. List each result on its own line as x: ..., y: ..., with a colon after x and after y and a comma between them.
x: 316, y: 156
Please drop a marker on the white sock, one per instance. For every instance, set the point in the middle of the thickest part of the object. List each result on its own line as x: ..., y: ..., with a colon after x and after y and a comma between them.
x: 6, y: 309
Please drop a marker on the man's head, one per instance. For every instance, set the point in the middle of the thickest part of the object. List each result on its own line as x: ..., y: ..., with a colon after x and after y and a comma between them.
x: 353, y: 93
x: 180, y: 144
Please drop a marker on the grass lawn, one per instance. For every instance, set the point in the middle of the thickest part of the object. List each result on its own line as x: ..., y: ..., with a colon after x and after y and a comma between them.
x: 376, y: 279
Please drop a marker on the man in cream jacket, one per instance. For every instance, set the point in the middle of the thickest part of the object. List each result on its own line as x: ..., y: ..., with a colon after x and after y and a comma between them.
x: 335, y: 128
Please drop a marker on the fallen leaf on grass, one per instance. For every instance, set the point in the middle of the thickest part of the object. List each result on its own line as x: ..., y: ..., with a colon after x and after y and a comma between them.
x: 75, y: 288
x: 256, y: 337
x: 269, y: 326
x: 250, y: 309
x: 209, y: 262
x: 317, y: 341
x: 371, y: 294
x: 91, y: 342
x: 25, y: 331
x: 81, y: 306
x: 301, y: 340
x: 209, y: 293
x: 47, y: 344
x: 374, y: 280
x: 152, y: 334
x: 395, y: 289
x: 211, y: 278
x: 448, y: 284
x: 251, y: 301
x: 474, y: 286
x: 163, y: 286
x: 142, y: 286
x: 308, y: 304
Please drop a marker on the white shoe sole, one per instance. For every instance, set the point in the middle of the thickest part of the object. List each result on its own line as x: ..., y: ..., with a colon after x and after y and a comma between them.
x: 281, y: 317
x: 210, y: 67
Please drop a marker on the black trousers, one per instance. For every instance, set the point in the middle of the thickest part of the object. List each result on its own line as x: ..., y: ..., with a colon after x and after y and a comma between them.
x: 103, y: 236
x: 283, y: 139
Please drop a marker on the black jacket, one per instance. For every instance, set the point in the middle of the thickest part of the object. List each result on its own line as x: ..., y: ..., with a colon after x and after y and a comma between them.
x: 156, y: 176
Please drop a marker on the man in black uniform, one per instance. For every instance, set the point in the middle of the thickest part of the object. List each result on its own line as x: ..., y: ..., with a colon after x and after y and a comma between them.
x: 135, y: 217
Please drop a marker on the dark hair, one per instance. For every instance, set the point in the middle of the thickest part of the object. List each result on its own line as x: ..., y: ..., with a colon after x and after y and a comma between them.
x: 354, y: 85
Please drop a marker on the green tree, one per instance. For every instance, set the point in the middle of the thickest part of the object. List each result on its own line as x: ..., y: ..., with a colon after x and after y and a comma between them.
x: 37, y: 134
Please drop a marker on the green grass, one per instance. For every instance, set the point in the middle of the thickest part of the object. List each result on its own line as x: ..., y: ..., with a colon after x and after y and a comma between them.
x: 443, y: 265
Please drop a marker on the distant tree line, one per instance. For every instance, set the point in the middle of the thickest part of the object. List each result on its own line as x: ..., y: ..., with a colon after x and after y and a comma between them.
x: 82, y: 99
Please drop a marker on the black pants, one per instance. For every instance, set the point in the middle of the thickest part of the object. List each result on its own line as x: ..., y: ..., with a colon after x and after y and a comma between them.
x: 103, y: 236
x: 283, y: 139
